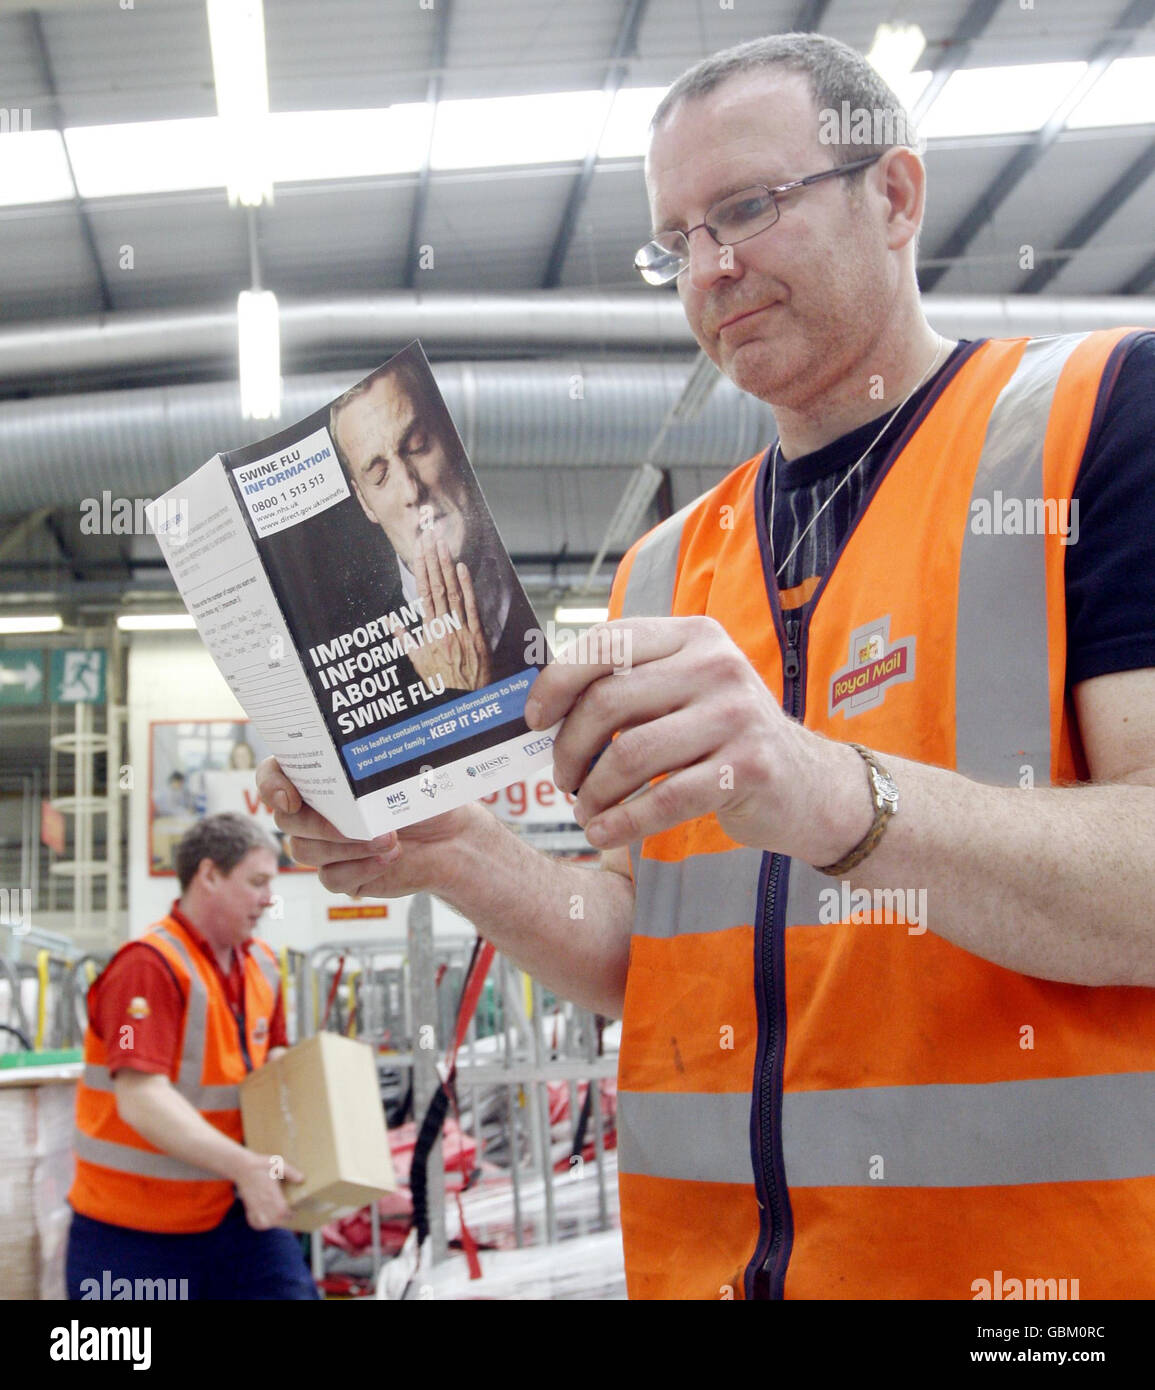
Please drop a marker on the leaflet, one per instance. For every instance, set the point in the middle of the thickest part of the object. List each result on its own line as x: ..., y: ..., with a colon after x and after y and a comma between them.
x: 349, y: 581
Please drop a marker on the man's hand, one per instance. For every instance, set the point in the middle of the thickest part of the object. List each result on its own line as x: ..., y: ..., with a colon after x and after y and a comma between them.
x: 461, y: 658
x: 420, y: 858
x: 262, y: 1194
x: 515, y: 896
x: 691, y: 710
x: 150, y: 1104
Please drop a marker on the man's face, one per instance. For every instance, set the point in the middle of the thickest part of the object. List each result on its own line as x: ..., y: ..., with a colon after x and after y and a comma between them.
x: 241, y: 897
x: 805, y: 298
x: 402, y: 474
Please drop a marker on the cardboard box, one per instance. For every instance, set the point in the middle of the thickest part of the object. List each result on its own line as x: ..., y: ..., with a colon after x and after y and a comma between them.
x: 319, y: 1106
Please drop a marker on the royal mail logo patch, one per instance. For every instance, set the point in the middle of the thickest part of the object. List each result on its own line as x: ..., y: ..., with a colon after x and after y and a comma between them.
x: 138, y: 1007
x: 874, y: 666
x: 260, y: 1030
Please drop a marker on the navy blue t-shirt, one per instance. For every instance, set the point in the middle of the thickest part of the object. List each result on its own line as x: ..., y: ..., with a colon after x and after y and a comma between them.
x: 1110, y: 572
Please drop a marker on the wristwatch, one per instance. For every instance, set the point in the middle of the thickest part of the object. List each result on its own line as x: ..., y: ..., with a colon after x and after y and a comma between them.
x: 884, y: 795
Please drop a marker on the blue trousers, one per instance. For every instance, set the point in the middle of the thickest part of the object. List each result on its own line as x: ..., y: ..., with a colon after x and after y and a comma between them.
x: 232, y: 1261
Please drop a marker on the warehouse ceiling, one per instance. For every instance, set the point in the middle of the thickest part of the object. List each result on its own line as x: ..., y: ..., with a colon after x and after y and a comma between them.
x: 1078, y: 194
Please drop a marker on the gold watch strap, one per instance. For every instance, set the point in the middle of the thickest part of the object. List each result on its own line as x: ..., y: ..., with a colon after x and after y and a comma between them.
x: 882, y: 815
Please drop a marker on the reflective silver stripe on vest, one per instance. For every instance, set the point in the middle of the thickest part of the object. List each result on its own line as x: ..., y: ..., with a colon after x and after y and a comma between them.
x: 803, y: 905
x: 143, y: 1163
x: 650, y: 588
x: 697, y: 1137
x: 269, y: 969
x: 196, y: 1024
x: 1002, y: 692
x: 98, y: 1078
x: 1007, y: 1133
x: 707, y: 892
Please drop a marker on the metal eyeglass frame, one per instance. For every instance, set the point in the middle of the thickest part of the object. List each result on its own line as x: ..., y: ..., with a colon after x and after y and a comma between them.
x: 773, y: 193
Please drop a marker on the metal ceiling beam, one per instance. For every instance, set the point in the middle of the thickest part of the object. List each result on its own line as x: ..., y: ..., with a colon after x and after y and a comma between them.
x: 48, y: 80
x: 1137, y: 14
x: 1142, y: 279
x: 810, y: 15
x: 955, y: 52
x: 432, y: 97
x: 625, y: 45
x: 66, y: 554
x: 1096, y: 216
x: 22, y: 530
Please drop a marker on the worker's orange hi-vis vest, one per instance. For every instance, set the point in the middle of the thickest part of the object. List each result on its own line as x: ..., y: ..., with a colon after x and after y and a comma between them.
x: 814, y: 1103
x: 120, y: 1177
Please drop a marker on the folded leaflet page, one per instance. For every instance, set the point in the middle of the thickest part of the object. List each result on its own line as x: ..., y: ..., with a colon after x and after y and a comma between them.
x: 226, y: 591
x: 402, y: 610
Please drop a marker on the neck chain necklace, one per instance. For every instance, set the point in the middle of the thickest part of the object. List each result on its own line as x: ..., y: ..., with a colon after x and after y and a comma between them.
x: 942, y: 342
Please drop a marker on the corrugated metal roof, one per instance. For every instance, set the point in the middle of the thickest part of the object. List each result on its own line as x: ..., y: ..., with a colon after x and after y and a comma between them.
x: 1083, y: 166
x: 492, y: 232
x: 528, y: 46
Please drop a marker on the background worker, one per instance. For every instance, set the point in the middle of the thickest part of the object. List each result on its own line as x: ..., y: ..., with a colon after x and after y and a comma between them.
x: 164, y: 1187
x: 816, y: 1106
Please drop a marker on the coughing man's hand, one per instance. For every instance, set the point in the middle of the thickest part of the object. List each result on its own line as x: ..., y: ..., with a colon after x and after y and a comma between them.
x: 461, y: 657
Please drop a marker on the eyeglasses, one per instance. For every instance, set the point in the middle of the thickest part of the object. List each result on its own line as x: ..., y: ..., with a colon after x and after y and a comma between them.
x: 736, y: 218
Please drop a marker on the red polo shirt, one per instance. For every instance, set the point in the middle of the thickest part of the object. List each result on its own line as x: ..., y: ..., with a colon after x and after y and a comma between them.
x: 137, y: 988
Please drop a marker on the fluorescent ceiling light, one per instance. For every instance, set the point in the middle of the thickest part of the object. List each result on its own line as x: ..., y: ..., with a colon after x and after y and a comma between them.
x: 46, y: 622
x: 237, y: 37
x: 895, y: 50
x: 317, y: 145
x: 999, y: 101
x: 33, y: 168
x: 148, y: 157
x: 627, y: 131
x: 154, y: 622
x: 554, y: 127
x: 166, y: 156
x: 1124, y: 95
x: 908, y: 89
x: 302, y: 146
x: 259, y: 342
x: 581, y: 615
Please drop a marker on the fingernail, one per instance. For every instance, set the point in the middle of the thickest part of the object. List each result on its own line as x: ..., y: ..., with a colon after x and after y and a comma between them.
x: 281, y: 801
x: 532, y: 713
x: 596, y: 833
x: 383, y: 842
x: 389, y: 855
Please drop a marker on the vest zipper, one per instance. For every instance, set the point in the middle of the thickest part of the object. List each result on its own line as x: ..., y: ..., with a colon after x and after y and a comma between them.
x: 766, y: 1273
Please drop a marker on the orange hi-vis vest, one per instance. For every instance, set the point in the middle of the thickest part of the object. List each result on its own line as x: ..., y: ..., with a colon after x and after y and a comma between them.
x: 122, y: 1178
x: 814, y: 1103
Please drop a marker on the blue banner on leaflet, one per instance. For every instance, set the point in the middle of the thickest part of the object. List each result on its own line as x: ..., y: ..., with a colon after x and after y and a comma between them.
x: 417, y: 738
